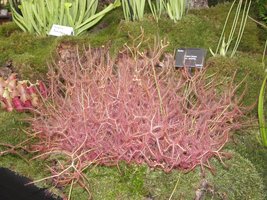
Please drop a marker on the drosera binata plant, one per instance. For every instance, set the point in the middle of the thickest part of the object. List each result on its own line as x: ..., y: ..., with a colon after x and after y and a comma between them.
x: 101, y: 111
x: 261, y: 116
x: 225, y: 43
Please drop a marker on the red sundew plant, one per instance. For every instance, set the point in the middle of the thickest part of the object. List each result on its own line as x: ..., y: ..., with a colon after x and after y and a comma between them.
x: 104, y: 111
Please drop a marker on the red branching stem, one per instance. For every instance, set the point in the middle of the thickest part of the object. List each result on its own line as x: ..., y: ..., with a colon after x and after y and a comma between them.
x: 104, y: 111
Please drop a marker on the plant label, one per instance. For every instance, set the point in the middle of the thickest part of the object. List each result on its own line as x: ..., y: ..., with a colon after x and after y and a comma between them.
x: 58, y: 30
x: 4, y: 12
x: 190, y: 57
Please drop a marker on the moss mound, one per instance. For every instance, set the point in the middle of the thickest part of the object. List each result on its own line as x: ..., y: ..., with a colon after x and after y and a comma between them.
x: 244, y: 67
x: 248, y: 146
x: 235, y: 182
x: 239, y: 180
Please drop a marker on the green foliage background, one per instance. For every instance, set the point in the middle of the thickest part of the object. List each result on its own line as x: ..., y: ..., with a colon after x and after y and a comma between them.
x: 262, y: 9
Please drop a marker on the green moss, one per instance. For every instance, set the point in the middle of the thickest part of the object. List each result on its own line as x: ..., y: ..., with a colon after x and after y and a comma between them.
x: 28, y: 53
x: 126, y: 181
x: 247, y: 68
x: 8, y: 28
x: 191, y: 31
x: 235, y: 182
x: 180, y: 34
x: 11, y: 124
x: 239, y: 181
x: 248, y: 146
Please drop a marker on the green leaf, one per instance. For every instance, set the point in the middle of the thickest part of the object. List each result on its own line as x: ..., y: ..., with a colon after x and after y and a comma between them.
x: 262, y: 124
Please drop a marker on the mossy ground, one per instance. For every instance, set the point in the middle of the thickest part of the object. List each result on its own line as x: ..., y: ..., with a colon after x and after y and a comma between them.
x: 242, y: 180
x: 140, y: 182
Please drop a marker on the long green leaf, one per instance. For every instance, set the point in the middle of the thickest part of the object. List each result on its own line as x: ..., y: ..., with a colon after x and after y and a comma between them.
x: 95, y: 18
x: 224, y: 27
x: 262, y: 124
x: 62, y: 12
x: 242, y: 26
x: 261, y: 116
x: 82, y: 10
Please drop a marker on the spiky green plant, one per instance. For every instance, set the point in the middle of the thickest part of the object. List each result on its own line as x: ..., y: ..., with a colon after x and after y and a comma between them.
x: 176, y: 9
x: 224, y: 44
x: 133, y: 10
x: 262, y: 9
x: 39, y: 16
x: 157, y: 7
